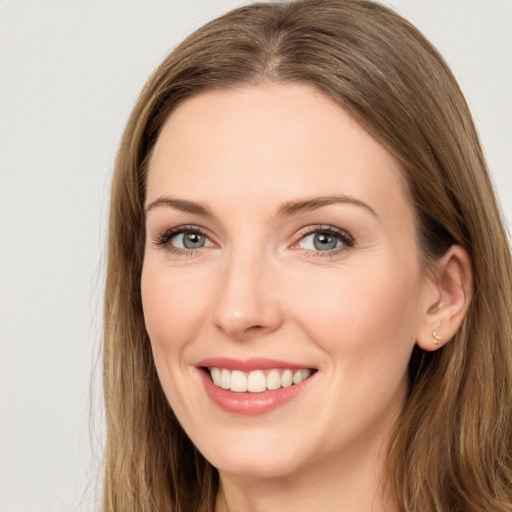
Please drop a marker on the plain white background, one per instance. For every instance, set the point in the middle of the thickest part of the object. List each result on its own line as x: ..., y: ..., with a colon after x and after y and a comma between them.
x: 70, y: 71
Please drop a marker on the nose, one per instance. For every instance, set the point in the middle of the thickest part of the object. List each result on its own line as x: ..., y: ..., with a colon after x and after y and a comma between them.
x: 246, y: 304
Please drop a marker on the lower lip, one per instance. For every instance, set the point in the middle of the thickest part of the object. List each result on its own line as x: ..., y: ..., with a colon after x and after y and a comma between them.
x: 251, y: 404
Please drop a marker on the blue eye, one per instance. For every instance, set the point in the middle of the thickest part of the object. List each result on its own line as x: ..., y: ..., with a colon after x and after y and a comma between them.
x: 326, y: 239
x: 189, y: 240
x: 186, y: 239
x: 320, y: 242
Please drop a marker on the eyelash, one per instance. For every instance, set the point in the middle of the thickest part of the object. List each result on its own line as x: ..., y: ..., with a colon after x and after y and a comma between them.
x: 163, y: 240
x: 346, y: 239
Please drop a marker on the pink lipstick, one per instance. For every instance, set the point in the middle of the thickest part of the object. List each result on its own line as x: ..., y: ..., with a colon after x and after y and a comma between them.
x: 253, y: 386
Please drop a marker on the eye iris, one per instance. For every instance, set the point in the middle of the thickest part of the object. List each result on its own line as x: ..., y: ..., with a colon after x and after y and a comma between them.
x: 324, y: 242
x: 193, y: 240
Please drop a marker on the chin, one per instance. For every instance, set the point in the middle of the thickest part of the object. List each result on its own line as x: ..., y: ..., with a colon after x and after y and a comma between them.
x: 256, y: 458
x: 257, y: 467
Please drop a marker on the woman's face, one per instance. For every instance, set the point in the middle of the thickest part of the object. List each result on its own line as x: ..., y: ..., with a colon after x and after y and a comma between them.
x: 280, y: 245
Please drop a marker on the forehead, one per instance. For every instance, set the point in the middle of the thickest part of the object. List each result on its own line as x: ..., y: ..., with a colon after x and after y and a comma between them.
x: 275, y: 140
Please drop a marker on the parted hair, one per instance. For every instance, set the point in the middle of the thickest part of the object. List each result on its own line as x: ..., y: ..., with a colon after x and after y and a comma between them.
x: 452, y: 446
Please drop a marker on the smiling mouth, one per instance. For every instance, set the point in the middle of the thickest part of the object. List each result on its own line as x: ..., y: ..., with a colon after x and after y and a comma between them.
x: 257, y: 381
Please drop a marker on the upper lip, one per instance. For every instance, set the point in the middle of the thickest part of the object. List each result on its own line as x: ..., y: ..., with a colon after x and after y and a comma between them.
x: 249, y: 365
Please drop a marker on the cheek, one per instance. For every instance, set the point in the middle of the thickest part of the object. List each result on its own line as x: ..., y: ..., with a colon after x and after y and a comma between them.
x: 373, y: 308
x: 365, y: 322
x: 174, y: 306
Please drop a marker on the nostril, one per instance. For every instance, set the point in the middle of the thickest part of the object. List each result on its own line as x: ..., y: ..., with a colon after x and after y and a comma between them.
x: 256, y: 328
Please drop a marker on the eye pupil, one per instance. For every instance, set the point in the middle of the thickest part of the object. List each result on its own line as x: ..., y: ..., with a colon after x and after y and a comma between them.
x: 323, y: 241
x: 193, y: 240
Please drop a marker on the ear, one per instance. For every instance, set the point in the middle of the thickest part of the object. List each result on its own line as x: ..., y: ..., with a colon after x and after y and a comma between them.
x: 448, y: 292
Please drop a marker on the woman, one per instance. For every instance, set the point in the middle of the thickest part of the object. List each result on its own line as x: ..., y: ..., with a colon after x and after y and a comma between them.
x: 308, y: 290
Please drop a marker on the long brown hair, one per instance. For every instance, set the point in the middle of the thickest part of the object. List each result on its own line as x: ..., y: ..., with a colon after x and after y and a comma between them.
x: 453, y: 442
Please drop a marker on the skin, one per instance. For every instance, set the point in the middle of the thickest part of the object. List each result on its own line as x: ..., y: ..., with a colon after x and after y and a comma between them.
x: 259, y: 288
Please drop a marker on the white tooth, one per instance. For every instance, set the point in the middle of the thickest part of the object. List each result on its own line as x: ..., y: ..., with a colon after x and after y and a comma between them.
x: 225, y: 379
x: 256, y: 382
x: 301, y: 375
x: 238, y: 381
x: 287, y: 378
x: 215, y: 373
x: 273, y: 380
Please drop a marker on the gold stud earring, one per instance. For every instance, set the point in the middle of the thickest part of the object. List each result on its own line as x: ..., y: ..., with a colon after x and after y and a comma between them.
x: 437, y: 338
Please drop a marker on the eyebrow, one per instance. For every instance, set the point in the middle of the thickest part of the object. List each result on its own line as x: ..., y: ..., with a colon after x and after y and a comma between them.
x: 287, y: 209
x: 293, y: 207
x: 179, y: 204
